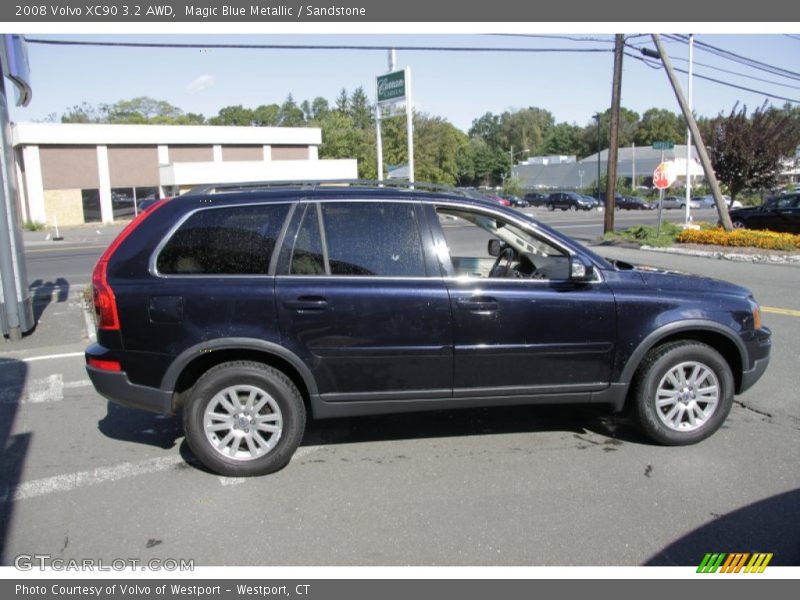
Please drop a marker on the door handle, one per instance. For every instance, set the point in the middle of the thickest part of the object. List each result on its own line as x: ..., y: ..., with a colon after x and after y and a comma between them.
x: 307, y: 304
x: 478, y: 304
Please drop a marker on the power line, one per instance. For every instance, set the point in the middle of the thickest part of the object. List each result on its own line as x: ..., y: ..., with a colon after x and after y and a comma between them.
x: 716, y: 68
x: 738, y: 58
x: 725, y: 83
x: 308, y: 47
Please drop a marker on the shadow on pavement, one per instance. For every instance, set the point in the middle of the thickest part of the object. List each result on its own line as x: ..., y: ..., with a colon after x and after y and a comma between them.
x: 44, y: 293
x: 13, y: 447
x: 140, y: 427
x: 771, y: 525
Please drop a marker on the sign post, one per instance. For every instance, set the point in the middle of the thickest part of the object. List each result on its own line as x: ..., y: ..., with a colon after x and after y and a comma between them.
x: 392, y: 89
x: 663, y: 177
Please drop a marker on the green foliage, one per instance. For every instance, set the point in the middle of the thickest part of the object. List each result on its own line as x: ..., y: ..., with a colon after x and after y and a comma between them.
x: 746, y: 150
x: 33, y: 225
x: 658, y: 124
x: 645, y: 235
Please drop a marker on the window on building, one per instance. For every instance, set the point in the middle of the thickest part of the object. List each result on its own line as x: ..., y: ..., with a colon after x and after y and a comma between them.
x: 91, y: 206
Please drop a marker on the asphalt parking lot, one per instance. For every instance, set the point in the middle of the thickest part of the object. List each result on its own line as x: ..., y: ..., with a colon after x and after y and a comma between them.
x: 505, y: 486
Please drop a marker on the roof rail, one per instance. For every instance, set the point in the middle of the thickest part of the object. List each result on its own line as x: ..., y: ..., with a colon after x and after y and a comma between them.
x: 221, y: 188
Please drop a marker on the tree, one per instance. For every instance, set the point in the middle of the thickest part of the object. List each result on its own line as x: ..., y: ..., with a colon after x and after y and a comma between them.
x: 360, y: 109
x: 290, y: 114
x: 563, y: 139
x: 746, y: 151
x: 233, y: 115
x: 267, y: 115
x: 659, y: 124
x: 343, y: 101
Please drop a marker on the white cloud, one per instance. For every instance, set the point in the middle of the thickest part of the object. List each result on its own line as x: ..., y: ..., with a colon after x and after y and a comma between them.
x: 201, y: 83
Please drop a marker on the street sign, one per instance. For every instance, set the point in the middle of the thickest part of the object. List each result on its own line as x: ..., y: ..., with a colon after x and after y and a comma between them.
x: 391, y: 87
x: 663, y: 145
x: 665, y: 175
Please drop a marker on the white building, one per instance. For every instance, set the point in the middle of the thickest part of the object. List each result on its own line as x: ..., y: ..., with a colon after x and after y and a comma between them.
x: 79, y: 173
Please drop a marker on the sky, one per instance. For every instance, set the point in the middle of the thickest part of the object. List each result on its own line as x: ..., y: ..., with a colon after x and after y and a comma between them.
x: 459, y: 86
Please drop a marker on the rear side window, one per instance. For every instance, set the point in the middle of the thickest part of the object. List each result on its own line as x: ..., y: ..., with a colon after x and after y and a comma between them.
x: 237, y: 240
x: 373, y: 238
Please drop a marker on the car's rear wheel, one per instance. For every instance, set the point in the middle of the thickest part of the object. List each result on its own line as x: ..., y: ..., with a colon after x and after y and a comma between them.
x: 682, y: 393
x: 739, y: 224
x: 244, y: 418
x: 551, y: 206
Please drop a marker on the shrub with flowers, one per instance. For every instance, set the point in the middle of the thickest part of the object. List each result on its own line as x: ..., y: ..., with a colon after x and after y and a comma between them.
x: 754, y: 238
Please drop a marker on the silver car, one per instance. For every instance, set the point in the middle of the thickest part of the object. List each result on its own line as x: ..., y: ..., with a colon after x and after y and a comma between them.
x: 677, y: 202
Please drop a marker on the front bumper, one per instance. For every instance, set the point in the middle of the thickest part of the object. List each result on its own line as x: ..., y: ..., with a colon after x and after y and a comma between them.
x: 761, y: 355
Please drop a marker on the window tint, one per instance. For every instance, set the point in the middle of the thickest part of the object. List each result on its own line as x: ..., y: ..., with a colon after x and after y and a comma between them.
x: 224, y: 241
x: 307, y: 257
x: 372, y: 238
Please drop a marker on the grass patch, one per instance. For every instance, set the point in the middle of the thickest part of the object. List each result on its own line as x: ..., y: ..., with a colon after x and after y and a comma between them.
x: 645, y: 235
x: 33, y: 225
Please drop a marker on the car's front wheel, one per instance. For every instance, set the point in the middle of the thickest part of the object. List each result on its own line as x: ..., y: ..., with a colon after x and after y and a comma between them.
x: 244, y: 418
x: 682, y: 393
x: 739, y: 224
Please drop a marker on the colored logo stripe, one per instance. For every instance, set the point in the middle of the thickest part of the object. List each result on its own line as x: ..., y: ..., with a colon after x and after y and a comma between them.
x: 734, y: 562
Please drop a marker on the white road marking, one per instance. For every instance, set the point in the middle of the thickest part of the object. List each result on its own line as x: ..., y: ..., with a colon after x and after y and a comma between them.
x: 44, y: 389
x: 52, y: 356
x: 73, y: 481
x: 89, y: 321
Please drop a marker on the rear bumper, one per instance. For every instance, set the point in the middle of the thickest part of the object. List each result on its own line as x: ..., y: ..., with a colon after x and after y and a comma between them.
x: 115, y: 386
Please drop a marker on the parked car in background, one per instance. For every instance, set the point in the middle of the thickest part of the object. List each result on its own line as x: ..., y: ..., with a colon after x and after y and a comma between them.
x: 535, y: 199
x: 595, y: 202
x: 678, y: 202
x: 568, y: 201
x: 779, y: 213
x: 707, y: 201
x: 633, y: 203
x: 516, y: 201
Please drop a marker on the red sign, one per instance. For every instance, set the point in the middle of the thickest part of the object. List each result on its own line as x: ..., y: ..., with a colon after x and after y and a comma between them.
x: 664, y: 175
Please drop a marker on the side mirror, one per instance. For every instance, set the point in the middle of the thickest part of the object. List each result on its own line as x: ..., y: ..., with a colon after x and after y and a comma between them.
x: 495, y: 247
x: 580, y: 270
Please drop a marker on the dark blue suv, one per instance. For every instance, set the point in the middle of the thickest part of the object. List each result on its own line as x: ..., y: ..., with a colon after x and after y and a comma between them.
x: 247, y: 310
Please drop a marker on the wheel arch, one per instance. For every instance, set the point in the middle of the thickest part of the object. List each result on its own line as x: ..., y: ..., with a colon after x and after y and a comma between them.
x: 187, y: 368
x: 722, y: 339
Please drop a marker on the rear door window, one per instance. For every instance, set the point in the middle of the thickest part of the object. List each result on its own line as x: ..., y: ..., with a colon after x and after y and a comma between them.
x: 236, y: 240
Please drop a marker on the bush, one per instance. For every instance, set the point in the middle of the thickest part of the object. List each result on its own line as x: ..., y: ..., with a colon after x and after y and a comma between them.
x: 646, y: 234
x: 33, y: 225
x: 767, y: 240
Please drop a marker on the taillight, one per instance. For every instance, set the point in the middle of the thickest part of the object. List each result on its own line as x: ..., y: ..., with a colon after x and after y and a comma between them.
x: 105, y: 365
x: 105, y: 303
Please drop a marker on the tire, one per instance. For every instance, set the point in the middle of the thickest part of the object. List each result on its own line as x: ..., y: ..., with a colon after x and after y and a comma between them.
x: 550, y: 206
x: 222, y: 413
x: 687, y: 414
x: 739, y: 224
x: 573, y: 208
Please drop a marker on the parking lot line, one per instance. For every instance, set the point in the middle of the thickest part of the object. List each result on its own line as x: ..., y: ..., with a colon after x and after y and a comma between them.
x: 781, y: 311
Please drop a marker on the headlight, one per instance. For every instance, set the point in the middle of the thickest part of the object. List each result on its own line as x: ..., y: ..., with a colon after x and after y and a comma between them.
x: 756, y: 311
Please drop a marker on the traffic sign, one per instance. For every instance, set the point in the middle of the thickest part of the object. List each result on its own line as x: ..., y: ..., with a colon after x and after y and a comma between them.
x: 663, y: 145
x: 665, y: 175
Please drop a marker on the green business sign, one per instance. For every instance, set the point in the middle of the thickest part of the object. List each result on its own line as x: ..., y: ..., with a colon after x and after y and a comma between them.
x: 663, y: 145
x: 391, y: 87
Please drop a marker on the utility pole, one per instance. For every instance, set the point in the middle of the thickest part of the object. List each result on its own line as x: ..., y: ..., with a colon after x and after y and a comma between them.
x: 613, y: 144
x: 689, y: 138
x: 711, y: 177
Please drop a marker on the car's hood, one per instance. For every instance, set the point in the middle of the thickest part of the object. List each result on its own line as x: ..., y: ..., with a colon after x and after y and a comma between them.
x: 666, y: 280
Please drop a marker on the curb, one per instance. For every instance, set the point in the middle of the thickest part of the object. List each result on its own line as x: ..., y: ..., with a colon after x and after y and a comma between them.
x: 769, y: 259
